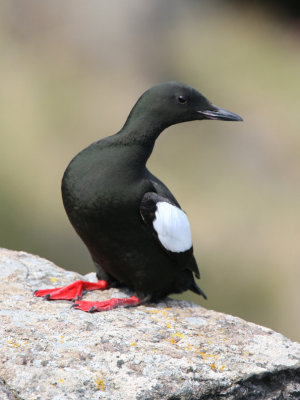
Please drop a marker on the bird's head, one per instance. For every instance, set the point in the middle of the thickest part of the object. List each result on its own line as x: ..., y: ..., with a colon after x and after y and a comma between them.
x: 170, y: 103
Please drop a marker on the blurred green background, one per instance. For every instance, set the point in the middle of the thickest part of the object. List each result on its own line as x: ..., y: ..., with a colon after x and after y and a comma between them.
x: 71, y: 71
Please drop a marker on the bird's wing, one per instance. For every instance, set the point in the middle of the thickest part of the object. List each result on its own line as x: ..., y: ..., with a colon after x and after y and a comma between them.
x: 161, y: 189
x: 170, y: 225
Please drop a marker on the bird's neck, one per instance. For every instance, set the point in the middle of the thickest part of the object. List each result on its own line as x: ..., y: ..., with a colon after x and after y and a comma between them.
x: 135, y: 149
x: 139, y: 133
x: 142, y: 129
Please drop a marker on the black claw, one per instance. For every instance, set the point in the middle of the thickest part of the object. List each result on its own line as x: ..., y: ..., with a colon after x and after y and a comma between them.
x: 92, y: 309
x: 47, y: 297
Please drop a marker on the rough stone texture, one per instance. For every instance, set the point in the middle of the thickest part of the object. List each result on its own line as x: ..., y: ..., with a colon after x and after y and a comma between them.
x: 171, y: 350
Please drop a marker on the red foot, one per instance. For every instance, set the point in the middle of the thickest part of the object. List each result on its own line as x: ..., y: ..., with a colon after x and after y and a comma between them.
x: 94, y: 306
x: 70, y: 292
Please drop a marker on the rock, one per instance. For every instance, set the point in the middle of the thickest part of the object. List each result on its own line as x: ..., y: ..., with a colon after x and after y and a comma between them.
x: 171, y: 350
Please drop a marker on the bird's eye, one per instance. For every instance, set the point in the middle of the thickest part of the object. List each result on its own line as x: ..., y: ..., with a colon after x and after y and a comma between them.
x: 182, y: 99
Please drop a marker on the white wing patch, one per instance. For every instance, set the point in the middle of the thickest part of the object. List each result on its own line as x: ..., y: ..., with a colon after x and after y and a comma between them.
x: 172, y: 227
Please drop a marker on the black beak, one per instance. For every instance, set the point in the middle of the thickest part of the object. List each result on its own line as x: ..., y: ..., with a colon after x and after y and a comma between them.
x: 220, y: 114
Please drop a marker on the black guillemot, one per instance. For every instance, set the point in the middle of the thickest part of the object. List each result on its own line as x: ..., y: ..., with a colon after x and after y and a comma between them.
x: 132, y: 225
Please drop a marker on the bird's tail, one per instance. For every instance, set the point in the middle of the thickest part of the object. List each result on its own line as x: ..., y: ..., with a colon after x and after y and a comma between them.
x: 195, y: 288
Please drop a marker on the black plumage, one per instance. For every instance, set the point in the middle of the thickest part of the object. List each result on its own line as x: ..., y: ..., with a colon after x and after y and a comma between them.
x: 112, y: 200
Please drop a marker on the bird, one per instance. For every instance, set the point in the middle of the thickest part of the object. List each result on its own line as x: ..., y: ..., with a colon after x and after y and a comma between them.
x: 134, y: 228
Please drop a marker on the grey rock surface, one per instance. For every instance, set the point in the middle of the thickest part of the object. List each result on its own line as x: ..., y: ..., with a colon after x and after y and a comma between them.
x: 171, y: 350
